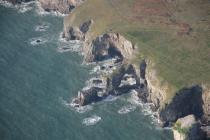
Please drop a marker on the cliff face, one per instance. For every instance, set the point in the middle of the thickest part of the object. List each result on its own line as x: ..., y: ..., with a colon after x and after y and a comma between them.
x: 108, y: 46
x: 206, y: 104
x: 187, y: 128
x: 186, y: 101
x: 157, y: 92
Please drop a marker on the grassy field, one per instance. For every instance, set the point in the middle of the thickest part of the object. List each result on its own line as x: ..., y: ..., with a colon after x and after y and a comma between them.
x: 175, y: 34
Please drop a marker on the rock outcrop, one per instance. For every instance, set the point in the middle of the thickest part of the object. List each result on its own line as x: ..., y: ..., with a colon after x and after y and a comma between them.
x: 109, y: 45
x: 124, y: 80
x: 187, y: 128
x: 120, y: 82
x: 62, y: 6
x: 77, y: 33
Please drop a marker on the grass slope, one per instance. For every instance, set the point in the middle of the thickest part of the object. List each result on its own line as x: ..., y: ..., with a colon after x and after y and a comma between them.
x: 175, y: 34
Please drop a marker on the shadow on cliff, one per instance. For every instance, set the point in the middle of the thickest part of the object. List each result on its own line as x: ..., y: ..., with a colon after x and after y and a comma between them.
x: 187, y: 101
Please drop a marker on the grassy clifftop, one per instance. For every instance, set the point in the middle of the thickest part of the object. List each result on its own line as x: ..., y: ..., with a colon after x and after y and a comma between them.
x: 174, y: 34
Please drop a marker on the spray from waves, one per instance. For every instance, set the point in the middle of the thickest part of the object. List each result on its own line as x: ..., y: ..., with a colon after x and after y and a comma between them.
x: 81, y: 110
x: 43, y: 12
x: 146, y: 108
x: 6, y: 4
x: 42, y: 27
x: 21, y: 8
x: 91, y: 120
x: 127, y: 109
x: 69, y: 46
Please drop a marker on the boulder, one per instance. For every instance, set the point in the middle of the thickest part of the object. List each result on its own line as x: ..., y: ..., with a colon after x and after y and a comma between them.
x: 187, y: 128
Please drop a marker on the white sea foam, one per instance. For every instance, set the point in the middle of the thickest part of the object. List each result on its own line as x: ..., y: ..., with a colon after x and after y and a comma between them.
x: 6, y: 4
x: 42, y: 12
x: 91, y: 120
x: 71, y: 45
x: 37, y: 41
x: 22, y: 8
x: 25, y: 7
x: 81, y: 109
x: 127, y: 109
x: 42, y: 27
x: 111, y: 98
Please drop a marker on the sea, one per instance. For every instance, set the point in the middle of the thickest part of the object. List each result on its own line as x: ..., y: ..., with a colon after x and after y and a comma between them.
x: 38, y: 82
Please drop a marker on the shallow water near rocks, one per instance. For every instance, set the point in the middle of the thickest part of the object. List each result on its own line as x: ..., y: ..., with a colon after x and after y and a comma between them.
x: 37, y: 82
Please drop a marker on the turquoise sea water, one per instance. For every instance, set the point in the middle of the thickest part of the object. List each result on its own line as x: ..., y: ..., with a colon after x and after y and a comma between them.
x: 36, y: 82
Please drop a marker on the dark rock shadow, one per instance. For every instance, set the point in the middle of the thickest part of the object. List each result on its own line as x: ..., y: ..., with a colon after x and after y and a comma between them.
x: 187, y: 101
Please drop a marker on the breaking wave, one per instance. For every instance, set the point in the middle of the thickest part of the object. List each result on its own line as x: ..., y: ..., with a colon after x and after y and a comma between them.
x: 81, y: 110
x: 43, y: 12
x: 146, y: 108
x: 22, y: 8
x: 69, y: 46
x: 91, y: 120
x: 42, y: 27
x: 127, y: 109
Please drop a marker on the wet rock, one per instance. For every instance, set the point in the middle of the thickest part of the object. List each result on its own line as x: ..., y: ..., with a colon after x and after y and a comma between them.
x: 124, y: 80
x: 87, y: 96
x: 186, y: 101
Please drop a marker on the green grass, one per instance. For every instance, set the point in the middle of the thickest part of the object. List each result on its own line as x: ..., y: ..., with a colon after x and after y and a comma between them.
x: 181, y: 60
x: 181, y: 130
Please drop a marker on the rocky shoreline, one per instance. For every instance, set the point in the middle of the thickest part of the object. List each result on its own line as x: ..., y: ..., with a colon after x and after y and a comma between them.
x: 189, y: 111
x: 187, y: 103
x: 62, y: 6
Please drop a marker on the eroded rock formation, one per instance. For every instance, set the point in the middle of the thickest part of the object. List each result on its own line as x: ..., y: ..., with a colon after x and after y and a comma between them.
x: 186, y: 101
x: 77, y: 33
x: 110, y: 45
x: 63, y: 6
